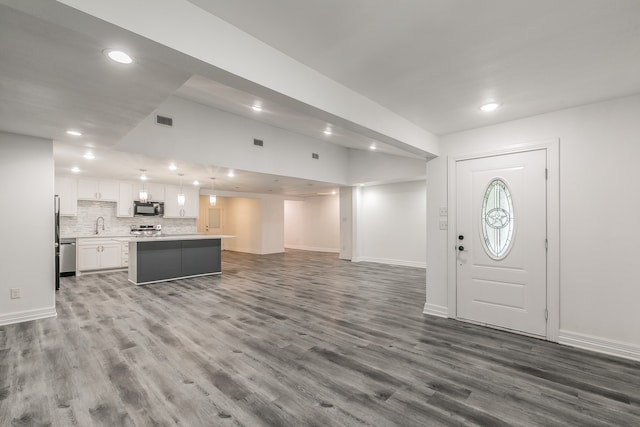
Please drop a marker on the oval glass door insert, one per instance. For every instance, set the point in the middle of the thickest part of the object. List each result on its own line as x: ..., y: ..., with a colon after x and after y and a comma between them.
x: 497, y: 219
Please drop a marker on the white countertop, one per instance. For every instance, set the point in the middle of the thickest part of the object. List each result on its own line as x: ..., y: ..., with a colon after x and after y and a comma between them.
x: 130, y: 238
x: 176, y: 237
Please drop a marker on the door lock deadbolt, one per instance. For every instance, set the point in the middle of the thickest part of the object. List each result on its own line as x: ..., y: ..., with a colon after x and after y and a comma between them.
x: 461, y: 237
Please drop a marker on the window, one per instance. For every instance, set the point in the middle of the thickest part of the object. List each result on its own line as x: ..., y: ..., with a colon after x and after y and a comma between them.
x: 497, y: 220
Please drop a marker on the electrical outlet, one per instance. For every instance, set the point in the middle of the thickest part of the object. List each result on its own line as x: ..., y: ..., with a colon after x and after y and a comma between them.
x: 444, y: 225
x: 444, y: 211
x: 15, y: 293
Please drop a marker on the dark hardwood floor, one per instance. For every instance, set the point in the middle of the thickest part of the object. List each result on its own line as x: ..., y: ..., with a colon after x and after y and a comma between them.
x: 295, y: 339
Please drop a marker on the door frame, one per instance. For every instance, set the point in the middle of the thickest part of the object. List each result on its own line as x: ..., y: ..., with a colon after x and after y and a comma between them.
x: 552, y: 147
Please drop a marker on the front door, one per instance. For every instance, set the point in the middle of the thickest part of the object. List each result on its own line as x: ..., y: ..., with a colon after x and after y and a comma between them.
x: 501, y: 229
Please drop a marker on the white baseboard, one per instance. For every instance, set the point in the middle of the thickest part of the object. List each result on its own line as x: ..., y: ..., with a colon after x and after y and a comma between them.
x: 252, y: 251
x: 27, y: 315
x: 600, y: 345
x: 436, y: 310
x: 389, y: 261
x: 312, y: 248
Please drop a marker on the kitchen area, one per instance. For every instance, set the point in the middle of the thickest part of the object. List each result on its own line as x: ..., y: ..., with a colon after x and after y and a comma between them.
x: 101, y: 224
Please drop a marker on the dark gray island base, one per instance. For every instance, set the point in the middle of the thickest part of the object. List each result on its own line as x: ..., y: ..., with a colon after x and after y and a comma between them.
x: 161, y: 259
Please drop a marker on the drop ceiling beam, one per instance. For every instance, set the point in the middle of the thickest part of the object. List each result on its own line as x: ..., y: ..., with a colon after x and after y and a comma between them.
x: 184, y: 27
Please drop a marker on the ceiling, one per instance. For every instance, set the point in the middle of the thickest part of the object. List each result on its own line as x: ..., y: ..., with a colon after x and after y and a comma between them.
x: 435, y: 62
x: 432, y: 62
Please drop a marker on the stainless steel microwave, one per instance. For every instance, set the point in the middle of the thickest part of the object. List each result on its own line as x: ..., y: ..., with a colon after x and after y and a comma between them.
x: 148, y: 209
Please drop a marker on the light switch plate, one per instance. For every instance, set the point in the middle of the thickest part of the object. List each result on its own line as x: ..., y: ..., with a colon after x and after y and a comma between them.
x: 444, y: 211
x: 444, y: 225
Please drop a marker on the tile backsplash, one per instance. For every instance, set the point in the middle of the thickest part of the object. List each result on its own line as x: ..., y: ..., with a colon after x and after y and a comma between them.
x: 88, y: 212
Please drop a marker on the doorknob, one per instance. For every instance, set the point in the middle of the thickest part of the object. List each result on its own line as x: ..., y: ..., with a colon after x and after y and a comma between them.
x: 461, y: 248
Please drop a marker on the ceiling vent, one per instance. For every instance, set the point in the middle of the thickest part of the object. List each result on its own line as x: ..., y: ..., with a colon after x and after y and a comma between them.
x: 163, y: 120
x: 315, y: 156
x: 258, y: 142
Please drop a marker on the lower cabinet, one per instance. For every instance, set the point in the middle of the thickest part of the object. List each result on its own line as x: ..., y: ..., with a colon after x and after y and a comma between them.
x: 98, y: 254
x: 173, y: 259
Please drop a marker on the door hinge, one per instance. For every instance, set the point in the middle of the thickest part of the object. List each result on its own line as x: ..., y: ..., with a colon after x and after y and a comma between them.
x: 546, y: 244
x: 546, y: 173
x: 546, y: 314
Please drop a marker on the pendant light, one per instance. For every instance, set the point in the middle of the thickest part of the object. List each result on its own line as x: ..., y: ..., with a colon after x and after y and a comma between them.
x: 144, y: 194
x: 212, y: 197
x: 181, y: 198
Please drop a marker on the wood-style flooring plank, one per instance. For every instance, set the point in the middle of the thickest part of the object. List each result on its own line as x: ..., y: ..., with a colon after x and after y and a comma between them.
x: 294, y: 339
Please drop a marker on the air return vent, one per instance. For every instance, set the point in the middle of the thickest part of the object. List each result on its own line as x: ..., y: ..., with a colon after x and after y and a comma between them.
x: 258, y: 142
x: 315, y: 156
x: 163, y: 120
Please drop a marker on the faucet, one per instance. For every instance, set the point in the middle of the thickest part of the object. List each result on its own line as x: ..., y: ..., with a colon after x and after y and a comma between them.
x: 98, y: 224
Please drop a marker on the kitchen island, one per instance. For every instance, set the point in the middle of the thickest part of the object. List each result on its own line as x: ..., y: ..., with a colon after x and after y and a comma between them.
x: 164, y: 258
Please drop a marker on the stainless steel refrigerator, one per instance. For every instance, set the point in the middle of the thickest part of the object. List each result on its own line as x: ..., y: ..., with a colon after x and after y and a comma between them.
x: 56, y: 208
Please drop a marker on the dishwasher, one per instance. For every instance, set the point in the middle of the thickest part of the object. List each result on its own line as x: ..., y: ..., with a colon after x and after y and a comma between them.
x: 67, y: 257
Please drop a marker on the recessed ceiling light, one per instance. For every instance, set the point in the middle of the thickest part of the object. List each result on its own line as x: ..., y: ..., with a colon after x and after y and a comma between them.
x: 119, y: 56
x: 333, y: 192
x: 328, y: 131
x: 89, y: 155
x: 231, y: 174
x: 196, y: 182
x: 360, y: 185
x: 75, y: 169
x: 256, y: 107
x: 74, y: 132
x: 143, y: 177
x: 372, y: 147
x: 172, y: 166
x: 491, y: 106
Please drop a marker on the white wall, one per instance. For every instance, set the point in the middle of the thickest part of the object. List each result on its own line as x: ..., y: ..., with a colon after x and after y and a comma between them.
x: 272, y: 220
x: 346, y: 222
x: 599, y: 205
x: 243, y: 221
x: 258, y: 225
x: 313, y: 224
x: 205, y: 135
x: 27, y: 228
x: 376, y: 168
x: 390, y: 224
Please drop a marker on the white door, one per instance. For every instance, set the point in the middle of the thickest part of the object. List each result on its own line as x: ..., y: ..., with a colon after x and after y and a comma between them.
x: 501, y: 229
x: 214, y: 220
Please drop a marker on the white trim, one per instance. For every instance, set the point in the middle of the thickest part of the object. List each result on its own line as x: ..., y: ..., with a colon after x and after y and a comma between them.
x: 174, y: 278
x: 390, y: 261
x: 552, y: 147
x: 600, y: 345
x: 252, y: 251
x: 27, y: 315
x: 435, y: 310
x: 312, y: 248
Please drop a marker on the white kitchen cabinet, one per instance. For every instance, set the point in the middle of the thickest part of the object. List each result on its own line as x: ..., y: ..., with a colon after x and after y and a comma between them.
x: 190, y: 208
x: 88, y: 257
x: 98, y: 254
x: 124, y: 250
x: 125, y: 200
x: 93, y: 189
x: 67, y: 189
x: 155, y: 192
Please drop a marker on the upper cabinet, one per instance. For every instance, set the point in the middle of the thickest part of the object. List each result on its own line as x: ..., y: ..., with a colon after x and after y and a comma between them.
x: 191, y: 202
x: 67, y: 189
x: 125, y: 200
x: 93, y: 189
x: 155, y: 192
x: 125, y: 193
